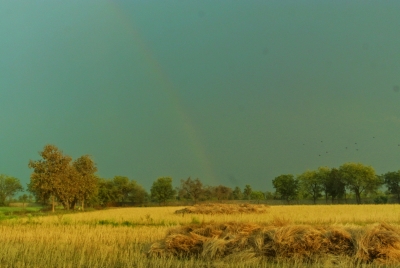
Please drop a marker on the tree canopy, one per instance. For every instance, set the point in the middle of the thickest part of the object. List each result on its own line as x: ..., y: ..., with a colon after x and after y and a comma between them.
x: 9, y: 186
x: 286, y: 186
x: 359, y: 178
x: 162, y: 190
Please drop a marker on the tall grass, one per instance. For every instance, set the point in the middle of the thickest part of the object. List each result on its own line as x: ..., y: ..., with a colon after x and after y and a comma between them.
x: 122, y: 237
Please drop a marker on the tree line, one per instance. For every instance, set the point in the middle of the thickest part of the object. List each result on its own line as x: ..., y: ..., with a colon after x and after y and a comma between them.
x: 336, y: 183
x: 57, y: 178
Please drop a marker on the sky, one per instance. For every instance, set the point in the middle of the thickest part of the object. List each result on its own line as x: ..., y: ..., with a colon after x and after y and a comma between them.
x: 230, y: 92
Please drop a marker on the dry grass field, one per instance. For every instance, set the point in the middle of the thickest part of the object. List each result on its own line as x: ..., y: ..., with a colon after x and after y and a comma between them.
x: 130, y: 237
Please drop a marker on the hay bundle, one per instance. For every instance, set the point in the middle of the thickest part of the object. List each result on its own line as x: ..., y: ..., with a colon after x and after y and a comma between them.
x: 235, y: 240
x: 212, y: 209
x: 338, y: 241
x: 381, y: 244
x: 298, y: 241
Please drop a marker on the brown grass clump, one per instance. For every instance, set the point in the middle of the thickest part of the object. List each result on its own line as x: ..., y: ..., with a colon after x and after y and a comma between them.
x: 295, y: 242
x: 212, y: 209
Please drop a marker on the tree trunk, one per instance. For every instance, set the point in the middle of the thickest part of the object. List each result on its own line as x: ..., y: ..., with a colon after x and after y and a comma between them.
x: 83, y: 204
x: 358, y: 196
x: 52, y: 203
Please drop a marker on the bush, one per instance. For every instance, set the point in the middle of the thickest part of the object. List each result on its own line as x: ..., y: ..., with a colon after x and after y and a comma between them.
x: 381, y: 199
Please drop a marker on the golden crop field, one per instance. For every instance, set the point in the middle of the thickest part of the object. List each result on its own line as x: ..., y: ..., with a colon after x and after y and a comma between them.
x: 123, y: 237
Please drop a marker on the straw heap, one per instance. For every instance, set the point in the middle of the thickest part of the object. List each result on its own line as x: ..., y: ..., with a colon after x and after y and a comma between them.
x: 213, y: 209
x: 213, y: 241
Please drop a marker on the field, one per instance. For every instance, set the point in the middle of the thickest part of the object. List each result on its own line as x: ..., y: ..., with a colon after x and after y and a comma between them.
x: 123, y: 237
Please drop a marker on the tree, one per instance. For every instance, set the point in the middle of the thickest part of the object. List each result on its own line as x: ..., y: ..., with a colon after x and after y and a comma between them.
x: 139, y: 194
x: 87, y: 181
x: 237, y: 193
x: 48, y: 174
x: 359, y: 178
x: 106, y: 192
x: 257, y: 195
x: 222, y: 192
x: 162, y: 190
x: 269, y: 195
x: 392, y: 182
x: 9, y: 186
x: 247, y: 192
x: 191, y: 189
x: 310, y: 185
x: 208, y: 193
x: 323, y: 177
x: 335, y: 186
x: 286, y: 186
x: 67, y: 192
x: 23, y: 198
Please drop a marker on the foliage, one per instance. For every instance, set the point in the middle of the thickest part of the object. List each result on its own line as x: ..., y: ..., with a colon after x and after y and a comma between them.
x: 392, y: 182
x: 55, y: 177
x: 162, y: 190
x: 381, y: 199
x: 9, y: 186
x: 120, y: 189
x: 191, y: 189
x: 269, y: 195
x: 237, y: 193
x: 310, y: 184
x: 360, y: 178
x: 286, y: 186
x: 49, y: 173
x: 257, y: 195
x: 335, y: 185
x: 87, y: 181
x: 323, y: 177
x: 247, y: 192
x: 222, y: 192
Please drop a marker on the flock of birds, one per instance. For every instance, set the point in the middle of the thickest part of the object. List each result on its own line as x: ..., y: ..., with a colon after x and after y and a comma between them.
x: 346, y: 147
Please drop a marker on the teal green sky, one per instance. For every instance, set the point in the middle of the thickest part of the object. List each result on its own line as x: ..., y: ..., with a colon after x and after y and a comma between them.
x: 231, y: 92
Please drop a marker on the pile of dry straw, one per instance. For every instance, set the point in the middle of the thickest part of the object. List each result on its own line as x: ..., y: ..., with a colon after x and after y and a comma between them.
x: 243, y: 241
x: 223, y: 209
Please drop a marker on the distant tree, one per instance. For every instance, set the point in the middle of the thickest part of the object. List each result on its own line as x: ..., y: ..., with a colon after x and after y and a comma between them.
x: 23, y: 198
x: 48, y: 174
x: 122, y: 187
x: 359, y: 178
x: 257, y: 195
x: 269, y: 195
x: 162, y: 190
x: 139, y: 194
x: 237, y: 193
x: 392, y: 182
x: 286, y: 186
x: 310, y: 185
x: 323, y: 177
x: 222, y: 192
x: 247, y: 192
x: 106, y: 192
x: 9, y: 186
x: 208, y: 193
x: 335, y: 186
x: 87, y: 180
x: 191, y: 189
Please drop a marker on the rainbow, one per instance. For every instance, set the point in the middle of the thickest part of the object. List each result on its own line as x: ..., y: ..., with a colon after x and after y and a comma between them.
x: 165, y: 84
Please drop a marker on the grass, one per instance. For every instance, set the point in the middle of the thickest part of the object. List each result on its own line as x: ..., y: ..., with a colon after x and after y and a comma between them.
x: 122, y: 237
